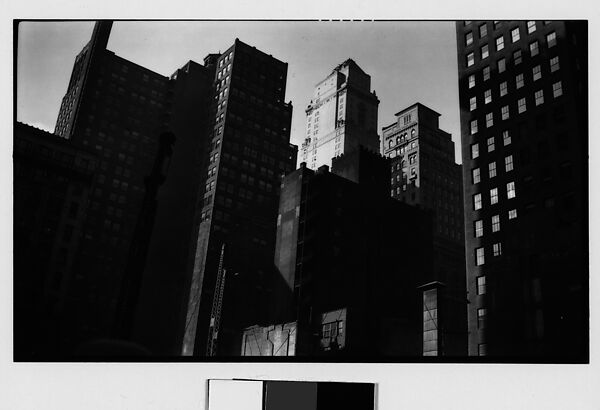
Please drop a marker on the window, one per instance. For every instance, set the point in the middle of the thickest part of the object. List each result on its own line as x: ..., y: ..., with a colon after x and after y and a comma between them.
x: 537, y: 73
x: 504, y: 112
x: 469, y: 38
x: 517, y: 57
x: 557, y: 89
x: 499, y: 43
x: 482, y: 349
x: 477, y: 202
x: 486, y: 73
x: 487, y: 96
x: 481, y: 285
x: 519, y: 81
x: 497, y: 249
x: 482, y: 30
x: 551, y: 39
x: 530, y: 26
x: 508, y: 163
x: 472, y: 103
x: 495, y: 223
x: 539, y: 97
x: 472, y: 81
x: 501, y: 65
x: 489, y: 120
x: 506, y: 138
x: 479, y: 257
x: 479, y: 228
x: 476, y: 174
x: 485, y: 52
x: 474, y: 151
x: 512, y: 214
x: 492, y: 169
x: 521, y: 105
x: 515, y: 35
x: 503, y: 88
x: 493, y: 196
x: 554, y: 66
x: 470, y: 59
x: 490, y: 144
x: 534, y: 49
x: 473, y: 127
x: 510, y: 190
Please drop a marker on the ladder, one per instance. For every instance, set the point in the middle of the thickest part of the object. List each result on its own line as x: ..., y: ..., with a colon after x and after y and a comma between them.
x: 215, y: 315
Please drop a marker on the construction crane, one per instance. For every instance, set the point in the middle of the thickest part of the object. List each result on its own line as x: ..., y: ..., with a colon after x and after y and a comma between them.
x: 215, y: 314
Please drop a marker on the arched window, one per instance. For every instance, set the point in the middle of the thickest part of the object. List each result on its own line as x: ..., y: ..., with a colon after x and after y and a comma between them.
x: 391, y: 144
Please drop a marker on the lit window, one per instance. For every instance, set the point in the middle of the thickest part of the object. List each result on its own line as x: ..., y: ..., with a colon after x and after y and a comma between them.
x: 503, y: 88
x: 554, y: 66
x: 515, y: 35
x: 476, y: 174
x: 469, y: 38
x: 487, y: 96
x: 504, y: 112
x: 479, y: 257
x: 517, y: 57
x: 472, y: 81
x: 534, y: 49
x: 506, y: 138
x: 501, y: 65
x: 493, y: 196
x: 539, y: 97
x: 470, y: 59
x: 485, y: 52
x: 473, y: 127
x: 499, y: 43
x: 472, y: 103
x: 486, y: 73
x: 497, y: 249
x: 479, y: 228
x: 551, y: 39
x: 477, y: 202
x: 489, y: 120
x: 521, y: 105
x: 474, y: 151
x: 482, y: 30
x: 530, y: 26
x: 492, y: 169
x: 510, y: 190
x: 512, y: 214
x: 495, y: 223
x: 508, y: 163
x: 557, y: 89
x: 481, y: 285
x: 482, y: 349
x: 519, y: 81
x: 537, y: 73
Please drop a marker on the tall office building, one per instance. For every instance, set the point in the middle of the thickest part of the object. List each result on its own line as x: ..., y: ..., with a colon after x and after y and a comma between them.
x: 341, y: 116
x: 523, y: 108
x: 424, y: 173
x: 250, y: 152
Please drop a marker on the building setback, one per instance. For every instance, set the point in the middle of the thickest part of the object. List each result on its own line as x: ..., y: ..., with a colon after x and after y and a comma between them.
x: 523, y: 107
x: 249, y: 152
x: 338, y: 259
x: 423, y: 173
x: 341, y: 116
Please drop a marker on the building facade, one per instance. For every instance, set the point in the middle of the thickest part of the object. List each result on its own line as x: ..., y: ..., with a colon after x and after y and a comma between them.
x: 523, y: 108
x: 341, y: 116
x: 424, y: 173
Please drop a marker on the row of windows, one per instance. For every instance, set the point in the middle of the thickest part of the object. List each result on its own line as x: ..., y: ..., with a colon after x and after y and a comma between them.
x: 557, y: 91
x: 492, y: 171
x: 484, y: 50
x: 510, y: 194
x: 480, y: 258
x: 491, y: 144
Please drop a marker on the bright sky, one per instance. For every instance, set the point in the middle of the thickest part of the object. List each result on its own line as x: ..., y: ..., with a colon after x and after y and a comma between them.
x: 409, y: 61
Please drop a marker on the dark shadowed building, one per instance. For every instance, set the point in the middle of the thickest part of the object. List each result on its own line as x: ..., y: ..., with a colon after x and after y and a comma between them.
x: 423, y: 173
x: 524, y: 115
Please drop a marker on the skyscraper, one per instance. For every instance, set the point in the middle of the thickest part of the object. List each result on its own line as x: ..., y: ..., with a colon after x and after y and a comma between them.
x: 424, y: 173
x: 523, y: 107
x: 249, y: 153
x: 341, y: 116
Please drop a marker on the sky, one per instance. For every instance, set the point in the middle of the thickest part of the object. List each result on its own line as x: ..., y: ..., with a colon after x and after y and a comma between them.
x: 408, y: 61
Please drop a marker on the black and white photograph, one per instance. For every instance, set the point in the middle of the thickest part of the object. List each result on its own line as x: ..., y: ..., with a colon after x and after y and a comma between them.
x: 280, y: 193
